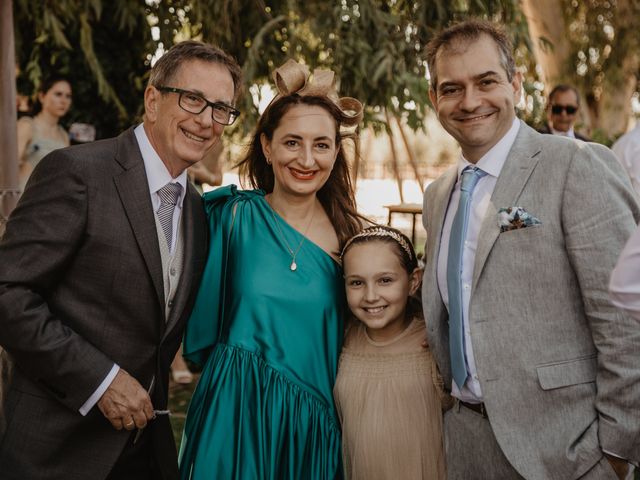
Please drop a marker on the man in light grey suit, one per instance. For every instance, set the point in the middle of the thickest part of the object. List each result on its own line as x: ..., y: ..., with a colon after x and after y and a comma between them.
x: 522, y: 235
x: 99, y: 267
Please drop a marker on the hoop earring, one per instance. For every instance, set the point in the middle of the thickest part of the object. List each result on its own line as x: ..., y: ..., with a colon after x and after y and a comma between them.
x: 268, y: 160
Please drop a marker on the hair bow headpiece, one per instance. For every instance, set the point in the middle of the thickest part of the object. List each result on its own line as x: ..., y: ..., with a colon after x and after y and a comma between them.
x: 293, y: 77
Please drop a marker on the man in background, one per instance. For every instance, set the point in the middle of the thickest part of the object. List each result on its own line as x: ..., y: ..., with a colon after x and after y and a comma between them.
x: 562, y: 111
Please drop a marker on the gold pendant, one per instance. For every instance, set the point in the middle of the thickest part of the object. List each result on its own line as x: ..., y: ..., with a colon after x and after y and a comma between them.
x: 293, y: 266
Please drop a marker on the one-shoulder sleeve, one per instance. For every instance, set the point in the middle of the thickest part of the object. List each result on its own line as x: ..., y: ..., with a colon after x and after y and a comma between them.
x: 204, y: 325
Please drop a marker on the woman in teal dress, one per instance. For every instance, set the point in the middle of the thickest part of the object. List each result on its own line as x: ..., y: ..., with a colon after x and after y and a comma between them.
x: 268, y: 321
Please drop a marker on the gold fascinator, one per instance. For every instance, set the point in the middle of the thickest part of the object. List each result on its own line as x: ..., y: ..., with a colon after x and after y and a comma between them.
x: 293, y: 77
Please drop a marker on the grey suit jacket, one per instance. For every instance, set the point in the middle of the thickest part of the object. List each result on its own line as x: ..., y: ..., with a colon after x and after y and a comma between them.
x: 81, y: 288
x: 559, y: 366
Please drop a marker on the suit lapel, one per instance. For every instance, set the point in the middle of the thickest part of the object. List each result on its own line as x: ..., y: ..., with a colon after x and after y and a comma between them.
x: 515, y: 173
x: 435, y: 208
x: 132, y: 187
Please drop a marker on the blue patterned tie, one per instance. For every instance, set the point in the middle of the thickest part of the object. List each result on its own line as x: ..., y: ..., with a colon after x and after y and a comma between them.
x: 169, y: 195
x: 470, y: 177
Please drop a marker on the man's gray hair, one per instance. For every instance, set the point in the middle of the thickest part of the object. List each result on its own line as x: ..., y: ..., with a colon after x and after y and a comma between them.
x: 167, y: 66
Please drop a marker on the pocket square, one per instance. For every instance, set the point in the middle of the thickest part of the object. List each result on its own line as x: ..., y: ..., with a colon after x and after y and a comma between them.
x: 513, y: 218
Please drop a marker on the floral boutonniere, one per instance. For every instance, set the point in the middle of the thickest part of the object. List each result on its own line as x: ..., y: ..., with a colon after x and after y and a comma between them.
x: 513, y: 218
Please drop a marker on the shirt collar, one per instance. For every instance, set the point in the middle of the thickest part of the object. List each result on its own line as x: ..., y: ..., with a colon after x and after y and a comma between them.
x: 157, y: 174
x: 493, y: 161
x: 569, y: 133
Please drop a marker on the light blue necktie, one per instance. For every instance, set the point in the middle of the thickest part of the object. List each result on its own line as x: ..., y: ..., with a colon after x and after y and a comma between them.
x: 470, y: 177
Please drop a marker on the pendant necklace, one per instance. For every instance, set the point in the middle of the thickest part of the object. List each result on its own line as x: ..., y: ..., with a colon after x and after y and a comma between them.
x: 294, y: 266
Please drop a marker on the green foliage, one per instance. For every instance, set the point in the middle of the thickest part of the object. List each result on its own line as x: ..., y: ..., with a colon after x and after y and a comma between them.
x: 602, y: 63
x: 374, y: 46
x: 106, y: 65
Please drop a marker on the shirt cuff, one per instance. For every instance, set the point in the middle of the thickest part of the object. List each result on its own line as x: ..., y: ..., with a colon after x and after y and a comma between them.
x: 93, y: 399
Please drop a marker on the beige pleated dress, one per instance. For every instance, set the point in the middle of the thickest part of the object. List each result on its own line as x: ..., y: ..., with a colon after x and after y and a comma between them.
x: 388, y: 397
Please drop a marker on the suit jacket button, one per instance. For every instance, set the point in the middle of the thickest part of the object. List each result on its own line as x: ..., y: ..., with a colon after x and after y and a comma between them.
x: 170, y: 303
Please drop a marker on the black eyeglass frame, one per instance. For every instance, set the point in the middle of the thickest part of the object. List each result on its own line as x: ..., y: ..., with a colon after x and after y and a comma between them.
x: 232, y: 112
x: 558, y: 109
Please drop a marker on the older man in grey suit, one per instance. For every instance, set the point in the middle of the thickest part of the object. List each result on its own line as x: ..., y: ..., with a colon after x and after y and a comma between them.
x: 99, y: 267
x: 522, y: 235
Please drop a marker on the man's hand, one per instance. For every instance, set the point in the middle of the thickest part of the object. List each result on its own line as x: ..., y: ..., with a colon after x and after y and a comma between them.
x: 126, y: 404
x: 619, y: 465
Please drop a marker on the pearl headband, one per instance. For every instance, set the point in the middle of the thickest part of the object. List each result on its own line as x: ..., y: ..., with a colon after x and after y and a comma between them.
x: 382, y: 232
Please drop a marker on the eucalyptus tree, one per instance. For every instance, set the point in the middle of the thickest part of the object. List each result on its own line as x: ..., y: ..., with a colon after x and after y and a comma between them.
x: 595, y: 45
x: 103, y: 47
x: 375, y: 46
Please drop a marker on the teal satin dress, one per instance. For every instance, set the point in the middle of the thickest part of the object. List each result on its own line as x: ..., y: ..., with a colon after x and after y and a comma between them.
x: 269, y: 339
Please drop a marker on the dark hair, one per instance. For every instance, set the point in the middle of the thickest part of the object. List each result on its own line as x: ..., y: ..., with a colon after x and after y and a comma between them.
x: 468, y: 31
x: 46, y: 85
x: 49, y: 82
x: 336, y: 195
x: 401, y: 247
x: 169, y: 64
x: 561, y: 89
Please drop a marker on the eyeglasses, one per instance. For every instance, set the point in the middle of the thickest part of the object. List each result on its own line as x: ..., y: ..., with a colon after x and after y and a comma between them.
x: 557, y: 109
x: 195, y: 103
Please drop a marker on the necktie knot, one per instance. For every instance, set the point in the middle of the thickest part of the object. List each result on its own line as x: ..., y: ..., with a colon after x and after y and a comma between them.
x: 170, y: 193
x: 470, y: 177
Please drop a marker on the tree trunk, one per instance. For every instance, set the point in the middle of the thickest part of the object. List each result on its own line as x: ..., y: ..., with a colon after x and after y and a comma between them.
x: 394, y: 158
x: 612, y: 112
x: 8, y: 133
x: 361, y: 162
x: 614, y: 108
x: 552, y: 49
x: 412, y: 157
x: 357, y: 152
x: 546, y: 22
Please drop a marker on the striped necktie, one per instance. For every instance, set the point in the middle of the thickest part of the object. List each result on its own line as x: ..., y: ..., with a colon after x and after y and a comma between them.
x: 169, y: 195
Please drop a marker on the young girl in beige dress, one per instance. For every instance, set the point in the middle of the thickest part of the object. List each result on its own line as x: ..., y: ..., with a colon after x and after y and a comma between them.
x: 388, y: 392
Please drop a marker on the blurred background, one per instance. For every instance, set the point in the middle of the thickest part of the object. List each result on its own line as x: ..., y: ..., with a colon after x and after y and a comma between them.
x: 105, y: 49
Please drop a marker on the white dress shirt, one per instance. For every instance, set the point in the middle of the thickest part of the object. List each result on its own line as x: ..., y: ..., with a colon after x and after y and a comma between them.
x: 492, y: 163
x: 157, y: 177
x: 627, y: 149
x: 569, y: 133
x: 625, y: 278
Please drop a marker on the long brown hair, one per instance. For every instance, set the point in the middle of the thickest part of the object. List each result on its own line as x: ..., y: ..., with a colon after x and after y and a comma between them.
x: 337, y: 195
